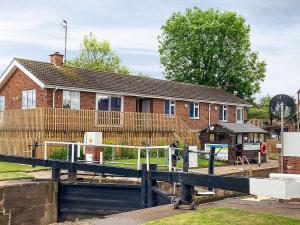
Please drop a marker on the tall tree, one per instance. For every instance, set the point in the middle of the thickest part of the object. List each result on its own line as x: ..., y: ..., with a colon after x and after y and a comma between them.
x: 98, y: 55
x: 261, y: 109
x: 210, y: 47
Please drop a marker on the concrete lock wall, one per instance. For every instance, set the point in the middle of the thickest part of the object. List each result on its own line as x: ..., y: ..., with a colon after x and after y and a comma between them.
x: 28, y: 204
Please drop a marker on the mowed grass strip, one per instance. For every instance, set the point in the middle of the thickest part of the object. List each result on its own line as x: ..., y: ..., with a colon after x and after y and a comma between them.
x: 202, y: 163
x: 224, y: 216
x: 14, y: 167
x: 14, y: 171
x: 15, y: 176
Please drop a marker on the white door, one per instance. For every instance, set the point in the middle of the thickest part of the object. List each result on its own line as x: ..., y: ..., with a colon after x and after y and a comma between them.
x: 146, y: 106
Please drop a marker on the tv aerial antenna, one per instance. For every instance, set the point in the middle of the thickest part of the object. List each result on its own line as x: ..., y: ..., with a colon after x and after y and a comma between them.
x: 64, y: 24
x: 282, y: 107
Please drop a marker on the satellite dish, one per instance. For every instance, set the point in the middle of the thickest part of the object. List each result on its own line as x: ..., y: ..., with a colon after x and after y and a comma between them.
x: 288, y: 106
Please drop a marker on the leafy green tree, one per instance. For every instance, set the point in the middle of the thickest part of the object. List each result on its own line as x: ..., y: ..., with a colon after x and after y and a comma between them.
x: 260, y: 110
x: 98, y: 55
x: 210, y: 47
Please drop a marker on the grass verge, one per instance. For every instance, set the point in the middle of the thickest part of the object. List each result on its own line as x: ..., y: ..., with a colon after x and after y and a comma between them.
x: 15, y: 176
x: 14, y: 171
x: 202, y: 163
x: 224, y: 216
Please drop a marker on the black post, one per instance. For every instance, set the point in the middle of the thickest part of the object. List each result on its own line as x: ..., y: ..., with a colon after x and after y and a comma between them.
x: 186, y: 190
x: 211, y: 160
x: 211, y: 166
x: 33, y: 151
x: 144, y: 184
x: 55, y: 173
x: 151, y: 196
x: 72, y: 174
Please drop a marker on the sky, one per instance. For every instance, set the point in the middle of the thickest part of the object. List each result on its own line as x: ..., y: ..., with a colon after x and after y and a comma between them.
x: 32, y: 29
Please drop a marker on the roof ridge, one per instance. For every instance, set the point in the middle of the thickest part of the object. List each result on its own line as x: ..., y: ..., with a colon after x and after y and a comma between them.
x: 141, y: 77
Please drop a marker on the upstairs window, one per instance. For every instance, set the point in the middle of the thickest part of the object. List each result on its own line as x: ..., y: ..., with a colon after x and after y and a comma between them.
x: 194, y: 110
x: 71, y: 99
x: 170, y: 107
x: 240, y: 115
x: 28, y: 99
x: 109, y: 103
x: 223, y: 113
x: 2, y: 103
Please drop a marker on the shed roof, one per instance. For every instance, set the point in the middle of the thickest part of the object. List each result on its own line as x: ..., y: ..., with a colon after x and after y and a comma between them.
x: 242, y: 128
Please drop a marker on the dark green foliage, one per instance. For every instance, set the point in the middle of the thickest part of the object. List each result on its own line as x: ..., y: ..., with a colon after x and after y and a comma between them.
x: 210, y: 47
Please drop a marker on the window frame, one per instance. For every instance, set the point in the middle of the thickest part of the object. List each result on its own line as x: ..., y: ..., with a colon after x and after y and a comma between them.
x: 2, y: 100
x: 194, y: 110
x: 71, y: 94
x: 26, y: 93
x: 224, y: 109
x: 98, y: 95
x: 172, y: 103
x: 242, y: 115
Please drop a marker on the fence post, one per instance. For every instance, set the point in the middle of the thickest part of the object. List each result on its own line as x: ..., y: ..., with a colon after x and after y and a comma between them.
x: 186, y: 190
x: 144, y: 186
x: 211, y: 166
x: 151, y: 196
x: 72, y: 174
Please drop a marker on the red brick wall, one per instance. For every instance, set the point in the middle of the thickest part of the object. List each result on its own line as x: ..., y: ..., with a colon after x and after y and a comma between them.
x: 291, y: 164
x: 12, y: 90
x: 157, y: 105
x: 182, y: 111
x: 129, y: 104
x: 18, y: 82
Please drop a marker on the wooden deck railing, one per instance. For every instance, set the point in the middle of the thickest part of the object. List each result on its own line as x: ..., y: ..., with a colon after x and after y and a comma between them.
x: 85, y: 120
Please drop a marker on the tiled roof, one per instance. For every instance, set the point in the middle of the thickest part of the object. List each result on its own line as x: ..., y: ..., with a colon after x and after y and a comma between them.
x: 242, y: 128
x: 72, y: 77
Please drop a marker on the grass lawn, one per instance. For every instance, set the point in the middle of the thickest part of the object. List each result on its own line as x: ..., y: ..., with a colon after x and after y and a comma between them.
x: 13, y: 171
x: 202, y: 163
x: 223, y: 216
x: 15, y: 176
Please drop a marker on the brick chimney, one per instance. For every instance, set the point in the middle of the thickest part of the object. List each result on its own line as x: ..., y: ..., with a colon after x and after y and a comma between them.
x: 57, y: 59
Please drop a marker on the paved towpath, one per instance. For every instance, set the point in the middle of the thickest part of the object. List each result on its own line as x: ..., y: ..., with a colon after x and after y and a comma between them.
x: 246, y: 203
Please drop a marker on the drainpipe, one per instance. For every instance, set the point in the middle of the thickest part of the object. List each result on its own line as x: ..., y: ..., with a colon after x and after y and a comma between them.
x: 53, y: 97
x: 209, y: 108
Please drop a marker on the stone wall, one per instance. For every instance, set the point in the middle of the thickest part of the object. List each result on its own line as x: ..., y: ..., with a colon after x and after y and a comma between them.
x: 32, y: 203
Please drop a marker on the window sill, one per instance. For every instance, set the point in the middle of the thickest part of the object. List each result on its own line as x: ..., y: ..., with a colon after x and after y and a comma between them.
x: 195, y: 118
x: 223, y: 121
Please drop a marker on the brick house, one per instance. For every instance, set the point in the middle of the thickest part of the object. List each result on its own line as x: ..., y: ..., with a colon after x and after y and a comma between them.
x: 27, y: 84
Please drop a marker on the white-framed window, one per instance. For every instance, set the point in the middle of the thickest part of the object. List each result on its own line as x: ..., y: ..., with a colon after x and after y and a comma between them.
x: 2, y: 103
x: 194, y: 110
x: 223, y: 113
x: 109, y: 103
x: 240, y: 115
x: 170, y: 107
x: 28, y: 99
x: 71, y: 99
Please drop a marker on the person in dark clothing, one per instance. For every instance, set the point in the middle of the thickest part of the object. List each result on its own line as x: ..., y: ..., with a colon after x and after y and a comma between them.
x: 175, y: 153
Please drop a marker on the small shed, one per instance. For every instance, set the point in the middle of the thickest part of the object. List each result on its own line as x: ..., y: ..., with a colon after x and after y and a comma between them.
x: 240, y: 137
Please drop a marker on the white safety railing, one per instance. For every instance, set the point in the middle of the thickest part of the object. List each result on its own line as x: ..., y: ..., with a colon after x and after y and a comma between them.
x: 138, y: 148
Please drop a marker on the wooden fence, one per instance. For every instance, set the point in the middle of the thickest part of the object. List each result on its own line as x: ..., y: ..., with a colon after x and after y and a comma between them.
x: 59, y: 119
x: 19, y: 128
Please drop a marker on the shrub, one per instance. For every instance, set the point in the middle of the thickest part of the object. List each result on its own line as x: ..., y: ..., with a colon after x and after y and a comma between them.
x: 60, y: 153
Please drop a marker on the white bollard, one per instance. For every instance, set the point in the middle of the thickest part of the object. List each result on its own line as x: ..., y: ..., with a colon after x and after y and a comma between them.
x: 139, y: 159
x: 170, y: 159
x: 148, y: 159
x: 45, y: 151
